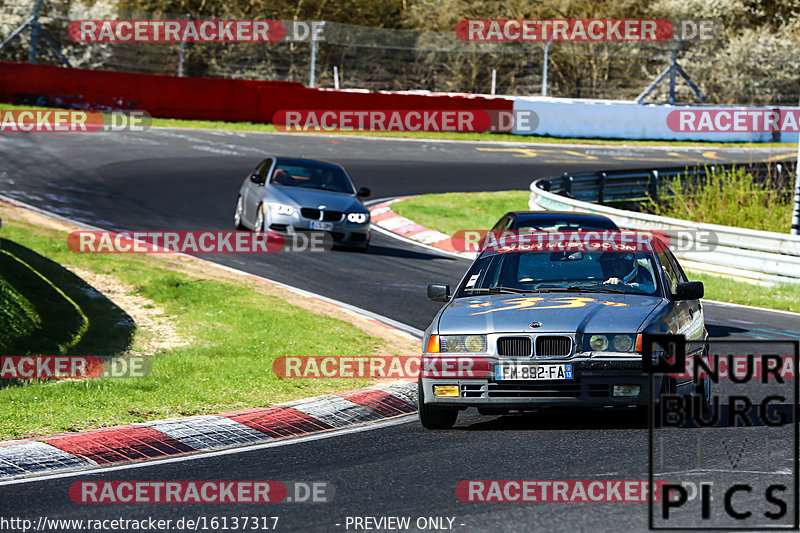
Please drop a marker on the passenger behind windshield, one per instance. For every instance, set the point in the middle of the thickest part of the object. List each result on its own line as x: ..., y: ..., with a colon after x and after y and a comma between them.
x: 562, y: 271
x: 312, y: 177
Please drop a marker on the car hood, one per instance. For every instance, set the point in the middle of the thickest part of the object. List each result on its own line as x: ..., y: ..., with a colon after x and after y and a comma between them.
x: 336, y: 201
x: 557, y: 313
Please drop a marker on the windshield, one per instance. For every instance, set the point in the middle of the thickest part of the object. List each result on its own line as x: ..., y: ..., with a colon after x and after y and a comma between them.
x: 311, y: 176
x: 629, y: 272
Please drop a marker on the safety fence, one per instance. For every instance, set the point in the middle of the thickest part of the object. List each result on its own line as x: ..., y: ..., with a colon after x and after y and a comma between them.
x: 758, y: 256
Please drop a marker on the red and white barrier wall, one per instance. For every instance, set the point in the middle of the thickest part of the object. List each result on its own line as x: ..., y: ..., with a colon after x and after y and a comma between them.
x: 622, y: 119
x: 210, y: 98
x: 258, y: 101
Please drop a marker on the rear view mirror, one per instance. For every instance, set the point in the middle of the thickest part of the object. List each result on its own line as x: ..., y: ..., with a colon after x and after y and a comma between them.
x: 257, y: 178
x: 438, y: 292
x: 363, y: 192
x: 690, y: 290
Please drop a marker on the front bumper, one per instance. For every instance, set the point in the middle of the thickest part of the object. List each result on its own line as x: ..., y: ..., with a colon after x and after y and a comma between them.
x: 344, y: 233
x: 591, y: 386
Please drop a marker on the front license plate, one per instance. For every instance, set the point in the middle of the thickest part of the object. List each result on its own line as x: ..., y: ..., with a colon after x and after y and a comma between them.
x: 512, y: 372
x: 324, y: 226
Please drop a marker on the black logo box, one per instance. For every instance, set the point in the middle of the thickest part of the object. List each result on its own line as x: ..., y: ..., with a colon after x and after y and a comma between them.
x: 674, y: 347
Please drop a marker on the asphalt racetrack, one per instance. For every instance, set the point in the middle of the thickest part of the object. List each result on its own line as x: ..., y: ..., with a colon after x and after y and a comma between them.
x: 187, y: 180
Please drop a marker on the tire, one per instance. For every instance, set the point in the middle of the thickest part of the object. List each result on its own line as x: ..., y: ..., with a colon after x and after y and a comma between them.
x: 362, y: 249
x: 237, y: 215
x: 703, y: 390
x: 434, y: 417
x: 668, y: 386
x: 259, y: 225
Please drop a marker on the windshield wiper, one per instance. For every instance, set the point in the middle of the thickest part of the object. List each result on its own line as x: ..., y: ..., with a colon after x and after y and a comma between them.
x: 595, y: 288
x: 498, y: 290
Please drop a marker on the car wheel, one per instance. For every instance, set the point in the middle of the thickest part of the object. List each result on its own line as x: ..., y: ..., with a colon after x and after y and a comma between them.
x: 237, y: 215
x: 259, y: 226
x: 362, y: 249
x: 434, y: 417
x: 703, y: 389
x: 668, y: 386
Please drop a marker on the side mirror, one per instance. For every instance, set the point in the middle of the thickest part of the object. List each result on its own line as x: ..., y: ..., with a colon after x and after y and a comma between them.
x: 257, y: 178
x: 438, y: 292
x: 363, y: 192
x: 690, y: 290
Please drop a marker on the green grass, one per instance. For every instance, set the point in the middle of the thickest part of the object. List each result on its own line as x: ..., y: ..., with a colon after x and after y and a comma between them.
x: 785, y: 297
x: 18, y: 318
x: 482, y: 137
x: 728, y: 197
x: 459, y: 211
x: 451, y: 212
x: 235, y: 335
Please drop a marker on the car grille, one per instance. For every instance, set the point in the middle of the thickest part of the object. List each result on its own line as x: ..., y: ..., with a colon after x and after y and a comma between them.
x: 552, y: 346
x: 327, y: 216
x: 514, y: 346
x: 573, y: 389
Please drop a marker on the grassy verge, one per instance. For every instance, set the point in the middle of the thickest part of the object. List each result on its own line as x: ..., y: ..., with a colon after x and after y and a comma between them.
x: 458, y: 211
x: 482, y: 137
x: 728, y: 197
x: 785, y: 297
x: 235, y: 334
x: 450, y: 212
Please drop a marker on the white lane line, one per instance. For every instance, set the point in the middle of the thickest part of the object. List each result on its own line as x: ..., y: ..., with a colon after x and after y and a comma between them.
x: 512, y: 144
x: 404, y: 419
x: 723, y: 471
x: 766, y: 310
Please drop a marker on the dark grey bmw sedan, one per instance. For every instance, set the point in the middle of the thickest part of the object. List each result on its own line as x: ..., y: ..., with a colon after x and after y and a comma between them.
x: 553, y: 325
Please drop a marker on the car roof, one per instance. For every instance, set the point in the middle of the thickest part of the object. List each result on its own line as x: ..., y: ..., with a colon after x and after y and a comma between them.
x: 290, y: 160
x: 582, y: 219
x: 558, y: 214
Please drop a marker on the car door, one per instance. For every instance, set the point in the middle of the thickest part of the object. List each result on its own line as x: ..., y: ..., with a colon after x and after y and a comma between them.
x: 679, y: 319
x: 694, y: 307
x: 253, y: 192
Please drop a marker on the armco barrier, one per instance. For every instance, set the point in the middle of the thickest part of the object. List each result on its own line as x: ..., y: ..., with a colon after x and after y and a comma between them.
x: 208, y: 98
x: 760, y: 256
x: 618, y: 119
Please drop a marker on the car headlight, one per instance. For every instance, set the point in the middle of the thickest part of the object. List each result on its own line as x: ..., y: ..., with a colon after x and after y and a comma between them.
x: 598, y: 343
x: 357, y: 218
x: 281, y: 209
x: 460, y: 343
x: 615, y: 342
x: 622, y: 343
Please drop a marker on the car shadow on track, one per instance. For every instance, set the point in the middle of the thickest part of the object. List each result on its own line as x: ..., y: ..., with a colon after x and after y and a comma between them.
x: 561, y: 420
x: 717, y: 331
x: 774, y: 415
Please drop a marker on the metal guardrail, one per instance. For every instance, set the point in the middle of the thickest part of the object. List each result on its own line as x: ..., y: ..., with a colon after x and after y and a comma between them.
x: 759, y: 256
x: 636, y: 185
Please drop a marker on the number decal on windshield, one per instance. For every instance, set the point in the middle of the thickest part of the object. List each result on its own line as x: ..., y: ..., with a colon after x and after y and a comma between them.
x: 532, y: 302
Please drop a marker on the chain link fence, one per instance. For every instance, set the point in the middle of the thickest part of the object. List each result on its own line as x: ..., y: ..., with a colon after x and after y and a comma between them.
x: 727, y: 71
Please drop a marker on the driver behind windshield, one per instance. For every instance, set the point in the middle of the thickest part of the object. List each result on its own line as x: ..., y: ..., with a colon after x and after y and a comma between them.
x: 623, y: 268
